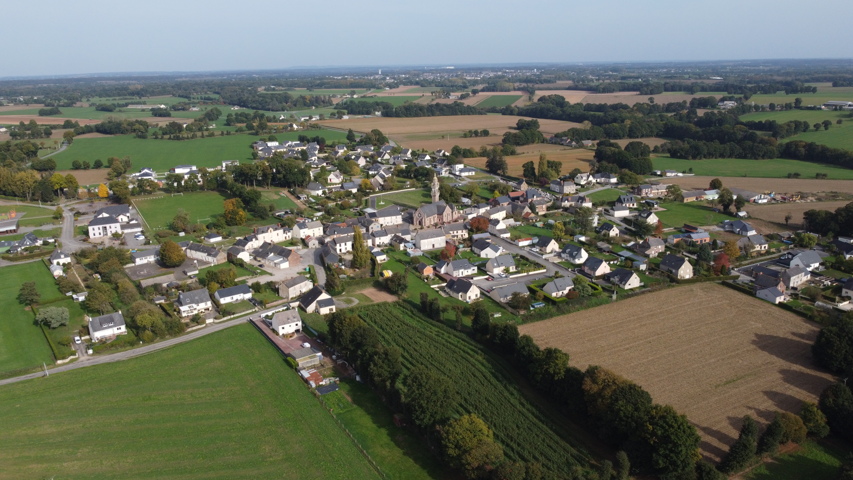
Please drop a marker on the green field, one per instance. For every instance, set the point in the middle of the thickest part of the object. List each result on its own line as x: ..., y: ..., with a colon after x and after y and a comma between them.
x: 22, y: 344
x: 159, y: 212
x: 838, y: 136
x: 499, y: 101
x: 322, y: 91
x: 281, y: 202
x: 736, y: 167
x: 411, y: 198
x: 393, y: 100
x: 694, y: 213
x: 483, y: 385
x: 89, y: 113
x: 607, y: 195
x: 224, y: 406
x: 824, y: 94
x: 815, y: 461
x: 164, y: 154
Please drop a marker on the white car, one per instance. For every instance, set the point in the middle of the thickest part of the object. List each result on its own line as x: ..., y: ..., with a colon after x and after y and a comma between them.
x: 77, y: 340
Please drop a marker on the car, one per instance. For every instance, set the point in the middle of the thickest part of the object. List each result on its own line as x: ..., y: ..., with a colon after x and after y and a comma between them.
x: 503, y: 275
x: 77, y: 340
x: 491, y: 279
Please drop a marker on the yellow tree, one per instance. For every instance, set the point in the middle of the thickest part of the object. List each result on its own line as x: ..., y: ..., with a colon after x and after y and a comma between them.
x: 731, y: 249
x: 103, y: 191
x: 234, y: 213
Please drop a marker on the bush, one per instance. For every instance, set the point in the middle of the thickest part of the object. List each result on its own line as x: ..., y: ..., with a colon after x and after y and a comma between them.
x: 814, y: 420
x: 794, y: 428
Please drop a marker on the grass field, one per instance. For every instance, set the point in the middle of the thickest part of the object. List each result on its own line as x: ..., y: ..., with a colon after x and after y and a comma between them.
x: 736, y: 167
x: 825, y: 92
x: 22, y: 344
x: 159, y: 212
x: 711, y: 352
x: 483, y: 385
x: 608, y: 195
x: 164, y: 154
x: 815, y: 461
x: 225, y: 405
x: 281, y: 202
x: 838, y: 136
x: 694, y: 213
x: 393, y: 100
x: 411, y: 198
x: 498, y: 101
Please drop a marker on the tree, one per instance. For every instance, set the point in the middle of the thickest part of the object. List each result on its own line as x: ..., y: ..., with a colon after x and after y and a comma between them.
x: 448, y: 252
x: 731, y: 249
x: 71, y: 186
x: 642, y: 228
x: 715, y: 184
x: 794, y: 428
x: 360, y: 254
x: 127, y: 292
x: 670, y: 440
x: 705, y: 254
x: 27, y: 294
x: 100, y: 298
x: 479, y: 224
x: 529, y: 171
x: 181, y: 221
x: 333, y: 283
x: 58, y: 212
x: 519, y: 301
x: 57, y: 181
x: 397, y: 284
x: 814, y: 420
x: 836, y: 402
x: 623, y: 465
x: 480, y: 322
x: 121, y: 190
x: 495, y: 162
x: 742, y: 452
x: 52, y: 317
x: 468, y: 443
x: 428, y: 396
x: 171, y: 254
x: 726, y: 199
x: 788, y: 217
x: 350, y: 136
x: 805, y: 240
x: 234, y: 213
x: 833, y: 347
x: 558, y: 231
x: 673, y: 192
x: 659, y: 229
x: 771, y: 438
x: 739, y: 203
x: 103, y: 191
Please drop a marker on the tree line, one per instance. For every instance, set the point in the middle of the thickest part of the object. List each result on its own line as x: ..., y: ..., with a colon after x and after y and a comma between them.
x: 354, y: 107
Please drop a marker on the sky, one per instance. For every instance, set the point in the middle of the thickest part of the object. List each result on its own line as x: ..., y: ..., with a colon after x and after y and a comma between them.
x: 50, y: 37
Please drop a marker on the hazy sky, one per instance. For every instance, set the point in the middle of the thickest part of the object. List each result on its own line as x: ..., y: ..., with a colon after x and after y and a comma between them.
x: 93, y: 36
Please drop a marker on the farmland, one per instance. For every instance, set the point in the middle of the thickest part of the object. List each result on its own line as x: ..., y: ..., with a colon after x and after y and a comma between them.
x: 838, y: 136
x: 571, y: 158
x: 695, y: 213
x: 22, y: 344
x: 737, y: 167
x: 499, y: 101
x: 225, y: 403
x: 393, y: 100
x: 776, y: 213
x: 482, y: 383
x: 825, y: 93
x: 713, y: 353
x: 159, y: 212
x: 779, y: 185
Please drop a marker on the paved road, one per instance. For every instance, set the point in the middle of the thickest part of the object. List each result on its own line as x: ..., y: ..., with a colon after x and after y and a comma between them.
x: 61, y: 149
x: 69, y: 243
x: 551, y: 267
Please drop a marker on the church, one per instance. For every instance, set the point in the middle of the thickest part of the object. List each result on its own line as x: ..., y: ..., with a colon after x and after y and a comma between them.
x: 437, y: 212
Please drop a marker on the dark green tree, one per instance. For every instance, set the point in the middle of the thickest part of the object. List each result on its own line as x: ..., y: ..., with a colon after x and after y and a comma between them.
x: 429, y: 397
x: 743, y: 451
x: 350, y: 136
x: 770, y: 439
x: 171, y: 254
x: 833, y: 347
x: 814, y: 420
x: 28, y: 294
x: 836, y: 402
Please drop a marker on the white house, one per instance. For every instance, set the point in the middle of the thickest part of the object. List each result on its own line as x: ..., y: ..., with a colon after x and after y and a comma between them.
x: 107, y: 326
x: 462, y: 289
x: 193, y: 302
x: 104, y: 226
x: 233, y: 294
x: 59, y: 258
x: 317, y: 300
x: 296, y: 286
x: 147, y: 256
x: 430, y: 239
x: 559, y: 287
x: 501, y: 264
x: 677, y: 266
x: 772, y: 295
x: 574, y: 254
x: 624, y: 278
x: 286, y: 322
x: 308, y: 229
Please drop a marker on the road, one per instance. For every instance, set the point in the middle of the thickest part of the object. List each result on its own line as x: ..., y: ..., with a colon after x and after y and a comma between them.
x: 69, y: 243
x: 551, y: 267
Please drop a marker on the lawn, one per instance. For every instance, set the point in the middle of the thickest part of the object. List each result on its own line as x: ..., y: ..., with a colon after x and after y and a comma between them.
x: 607, y: 195
x: 22, y: 344
x: 815, y: 461
x: 395, y: 100
x: 281, y: 202
x: 529, y: 231
x: 736, y: 167
x: 75, y: 323
x: 694, y: 213
x: 411, y: 198
x: 499, y: 101
x: 159, y: 212
x: 164, y: 154
x: 46, y: 233
x: 241, y: 271
x: 225, y: 405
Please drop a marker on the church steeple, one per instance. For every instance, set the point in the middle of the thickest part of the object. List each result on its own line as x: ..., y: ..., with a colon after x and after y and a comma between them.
x: 435, y: 189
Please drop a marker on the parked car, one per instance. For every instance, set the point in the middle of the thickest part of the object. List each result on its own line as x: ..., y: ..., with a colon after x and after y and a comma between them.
x: 77, y: 340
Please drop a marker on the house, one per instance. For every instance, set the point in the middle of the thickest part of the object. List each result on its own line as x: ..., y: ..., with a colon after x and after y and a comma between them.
x: 435, y: 214
x: 595, y: 267
x: 390, y: 215
x: 107, y: 326
x: 342, y: 244
x: 575, y: 201
x: 304, y: 230
x: 329, y: 257
x: 605, y: 178
x: 235, y: 253
x: 194, y: 302
x: 623, y: 278
x: 628, y: 201
x: 808, y: 259
x: 430, y: 239
x: 294, y: 287
x: 462, y: 289
x: 213, y: 237
x: 286, y: 322
x: 119, y: 212
x: 498, y: 228
x: 456, y: 268
x: 574, y: 254
x: 679, y: 267
x: 651, y: 190
x: 481, y: 245
x: 795, y: 276
x: 692, y: 196
x: 491, y: 251
x: 847, y: 289
x: 183, y: 169
x: 582, y: 178
x: 276, y: 256
x: 563, y: 186
x: 351, y: 187
x: 56, y: 270
x: 650, y: 247
x: 504, y: 293
x: 456, y: 231
x: 500, y: 264
x: 648, y: 216
x: 141, y: 257
x: 204, y: 253
x: 559, y: 287
x: 546, y: 245
x: 233, y: 294
x: 317, y: 300
x: 753, y: 243
x: 739, y: 227
x: 772, y: 295
x: 844, y: 248
x: 315, y: 189
x: 104, y: 227
x: 608, y: 230
x: 425, y: 270
x: 59, y: 258
x: 334, y: 178
x: 762, y: 281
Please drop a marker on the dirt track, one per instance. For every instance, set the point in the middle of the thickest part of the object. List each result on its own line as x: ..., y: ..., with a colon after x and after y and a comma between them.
x: 713, y: 353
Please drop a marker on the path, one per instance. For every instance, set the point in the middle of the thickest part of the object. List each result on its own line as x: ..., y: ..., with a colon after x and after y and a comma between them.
x: 61, y: 149
x: 372, y: 198
x: 295, y: 200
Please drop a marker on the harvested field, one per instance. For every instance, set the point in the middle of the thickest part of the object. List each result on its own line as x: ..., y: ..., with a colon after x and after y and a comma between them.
x: 87, y: 177
x: 14, y: 119
x: 776, y: 213
x: 377, y: 295
x: 571, y: 157
x: 571, y: 96
x: 781, y: 186
x: 712, y: 353
x: 432, y: 133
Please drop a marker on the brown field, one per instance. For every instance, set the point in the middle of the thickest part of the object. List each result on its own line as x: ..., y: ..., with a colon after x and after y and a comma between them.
x: 774, y: 215
x: 781, y: 186
x: 377, y: 295
x: 712, y: 353
x: 13, y: 119
x: 571, y: 96
x: 87, y: 177
x: 571, y: 157
x: 432, y: 133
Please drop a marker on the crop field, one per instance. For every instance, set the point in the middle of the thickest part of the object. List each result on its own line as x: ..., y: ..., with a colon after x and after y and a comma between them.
x: 483, y: 386
x: 499, y: 101
x: 22, y: 344
x: 88, y: 177
x: 571, y: 158
x: 776, y: 213
x: 225, y: 403
x: 159, y: 212
x: 432, y: 133
x: 738, y: 167
x: 782, y: 186
x: 711, y: 352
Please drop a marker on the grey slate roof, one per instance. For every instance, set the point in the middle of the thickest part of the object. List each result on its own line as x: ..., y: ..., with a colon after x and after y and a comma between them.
x: 673, y: 262
x: 311, y: 296
x: 620, y: 276
x: 108, y: 220
x: 299, y: 279
x: 235, y: 290
x: 108, y: 321
x: 459, y: 285
x: 194, y: 297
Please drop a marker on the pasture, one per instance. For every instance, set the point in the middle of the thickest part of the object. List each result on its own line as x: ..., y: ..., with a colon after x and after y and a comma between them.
x: 825, y: 93
x: 226, y: 403
x: 711, y: 352
x: 22, y: 344
x: 394, y: 100
x: 675, y: 214
x: 498, y: 101
x: 738, y: 167
x: 159, y: 212
x: 571, y: 158
x: 838, y: 136
x: 755, y: 184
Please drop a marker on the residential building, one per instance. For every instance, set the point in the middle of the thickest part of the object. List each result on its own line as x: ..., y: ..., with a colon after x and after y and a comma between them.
x: 456, y: 268
x: 204, y: 253
x: 559, y: 287
x: 107, y: 326
x: 59, y: 258
x: 456, y: 231
x: 772, y: 295
x: 233, y: 294
x: 141, y: 257
x: 679, y: 267
x: 501, y: 264
x: 753, y: 244
x: 462, y: 289
x: 607, y: 229
x: 430, y: 239
x: 595, y: 267
x: 294, y: 287
x: 546, y: 245
x: 317, y: 300
x: 104, y: 227
x: 623, y: 278
x: 628, y: 201
x: 650, y: 247
x: 304, y: 230
x: 807, y: 259
x: 286, y: 322
x: 574, y: 254
x: 194, y: 302
x: 739, y: 227
x: 390, y: 215
x: 504, y: 293
x: 648, y: 216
